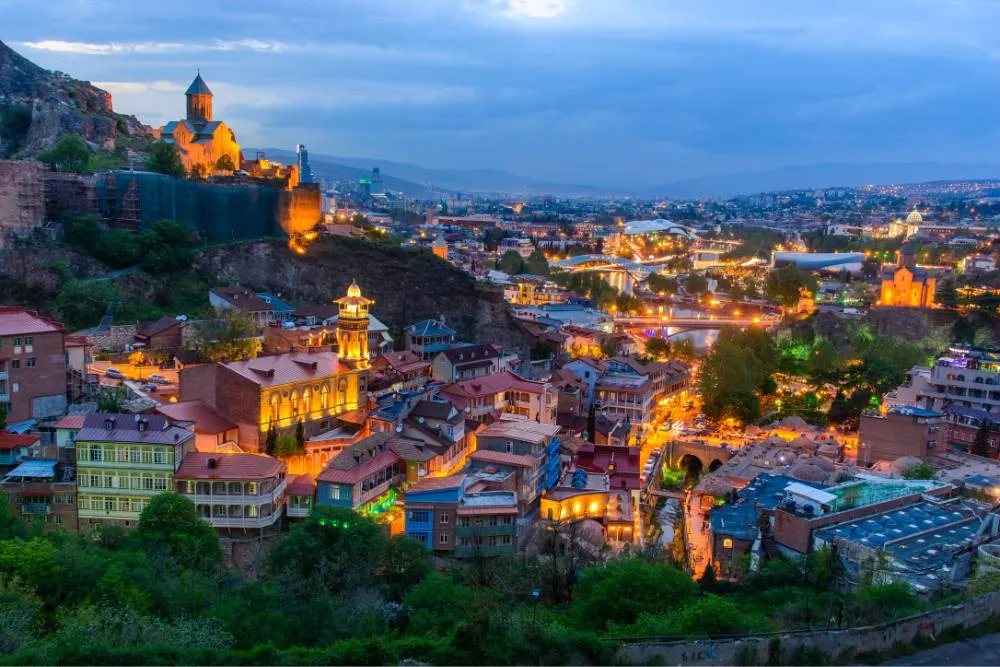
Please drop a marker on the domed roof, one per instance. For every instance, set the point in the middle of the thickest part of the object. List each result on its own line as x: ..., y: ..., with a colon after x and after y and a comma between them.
x: 914, y: 218
x: 354, y: 290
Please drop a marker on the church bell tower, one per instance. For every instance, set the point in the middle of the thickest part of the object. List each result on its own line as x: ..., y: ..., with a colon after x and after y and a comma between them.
x: 199, y: 101
x: 352, y: 327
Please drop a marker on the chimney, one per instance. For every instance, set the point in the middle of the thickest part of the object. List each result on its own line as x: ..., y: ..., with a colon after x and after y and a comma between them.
x: 211, y: 462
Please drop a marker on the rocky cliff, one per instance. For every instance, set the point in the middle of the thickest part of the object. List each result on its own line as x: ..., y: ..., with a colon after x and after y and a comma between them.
x: 59, y: 104
x: 407, y: 286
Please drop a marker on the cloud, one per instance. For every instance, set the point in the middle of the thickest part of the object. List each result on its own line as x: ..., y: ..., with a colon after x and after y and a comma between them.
x: 106, y: 49
x: 536, y: 9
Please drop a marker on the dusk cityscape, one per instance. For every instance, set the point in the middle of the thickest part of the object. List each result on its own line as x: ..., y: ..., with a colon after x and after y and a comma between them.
x: 500, y: 332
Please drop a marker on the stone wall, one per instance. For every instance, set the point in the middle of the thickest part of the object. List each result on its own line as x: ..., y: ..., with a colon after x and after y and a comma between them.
x: 22, y: 197
x: 114, y: 338
x: 836, y: 645
x: 300, y: 209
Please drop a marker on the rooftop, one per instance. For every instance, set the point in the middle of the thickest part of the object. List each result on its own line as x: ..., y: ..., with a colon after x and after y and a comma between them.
x: 521, y: 429
x: 204, y: 465
x: 108, y: 427
x: 16, y: 321
x: 288, y: 368
x: 430, y: 328
x: 203, y: 417
x: 10, y: 441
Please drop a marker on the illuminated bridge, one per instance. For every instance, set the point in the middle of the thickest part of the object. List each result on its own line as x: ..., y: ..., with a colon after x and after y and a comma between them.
x: 582, y: 263
x: 653, y: 322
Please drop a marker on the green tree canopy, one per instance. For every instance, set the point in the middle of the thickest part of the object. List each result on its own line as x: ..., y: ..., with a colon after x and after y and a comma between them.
x: 231, y: 337
x: 783, y: 285
x: 163, y: 158
x: 620, y: 590
x: 225, y: 163
x: 536, y: 264
x: 511, y: 263
x: 170, y: 526
x: 658, y: 347
x: 70, y: 153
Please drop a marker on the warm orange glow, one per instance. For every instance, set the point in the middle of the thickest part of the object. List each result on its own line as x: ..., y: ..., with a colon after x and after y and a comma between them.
x: 756, y: 320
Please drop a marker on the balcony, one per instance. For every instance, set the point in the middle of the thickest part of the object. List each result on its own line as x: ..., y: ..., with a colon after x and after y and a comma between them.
x: 227, y: 521
x: 216, y: 498
x: 107, y: 514
x: 35, y: 508
x: 299, y: 512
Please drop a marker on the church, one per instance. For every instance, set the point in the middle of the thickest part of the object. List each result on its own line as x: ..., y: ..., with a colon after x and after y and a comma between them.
x: 202, y: 142
x: 905, y: 284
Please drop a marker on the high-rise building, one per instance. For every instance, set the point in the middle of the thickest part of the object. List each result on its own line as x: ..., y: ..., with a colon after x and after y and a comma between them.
x: 377, y: 187
x: 305, y: 171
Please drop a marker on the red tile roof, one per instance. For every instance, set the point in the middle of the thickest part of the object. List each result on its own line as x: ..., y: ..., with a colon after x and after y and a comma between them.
x: 301, y: 485
x: 71, y: 421
x: 340, y: 476
x: 438, y: 483
x: 503, y: 458
x: 493, y: 384
x: 15, y: 321
x: 204, y: 418
x: 404, y: 361
x: 242, y: 299
x: 196, y: 465
x: 10, y: 441
x: 288, y: 368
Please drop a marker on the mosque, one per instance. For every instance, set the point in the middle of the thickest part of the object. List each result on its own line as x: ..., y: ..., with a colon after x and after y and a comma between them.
x: 204, y: 144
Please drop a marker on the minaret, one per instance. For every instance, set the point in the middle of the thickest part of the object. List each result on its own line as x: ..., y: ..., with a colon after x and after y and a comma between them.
x: 199, y: 100
x: 352, y: 327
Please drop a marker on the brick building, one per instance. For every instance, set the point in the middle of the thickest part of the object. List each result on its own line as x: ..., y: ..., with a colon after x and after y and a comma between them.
x: 277, y: 392
x: 43, y: 491
x: 33, y: 380
x: 903, y: 431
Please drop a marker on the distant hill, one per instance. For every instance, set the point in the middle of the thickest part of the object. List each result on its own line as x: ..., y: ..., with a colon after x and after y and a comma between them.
x: 58, y: 104
x: 425, y: 180
x: 823, y: 175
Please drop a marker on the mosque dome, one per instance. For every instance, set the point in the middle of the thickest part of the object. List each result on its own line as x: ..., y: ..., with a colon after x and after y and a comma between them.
x: 914, y: 218
x: 354, y: 290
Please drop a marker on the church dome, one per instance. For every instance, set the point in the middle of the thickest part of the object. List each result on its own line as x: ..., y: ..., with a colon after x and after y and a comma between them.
x: 914, y: 218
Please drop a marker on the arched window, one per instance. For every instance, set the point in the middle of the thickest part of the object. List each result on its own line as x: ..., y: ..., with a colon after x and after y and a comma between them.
x: 324, y: 396
x: 275, y: 415
x: 295, y: 404
x: 306, y: 404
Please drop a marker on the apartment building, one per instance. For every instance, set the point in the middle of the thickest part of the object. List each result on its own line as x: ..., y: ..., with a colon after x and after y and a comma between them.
x: 123, y: 461
x: 233, y: 490
x: 965, y: 377
x: 529, y: 449
x: 33, y: 380
x: 902, y: 431
x: 485, y: 399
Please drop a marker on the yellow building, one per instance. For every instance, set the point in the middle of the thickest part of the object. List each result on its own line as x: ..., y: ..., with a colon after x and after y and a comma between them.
x: 201, y: 141
x: 905, y: 284
x: 352, y: 327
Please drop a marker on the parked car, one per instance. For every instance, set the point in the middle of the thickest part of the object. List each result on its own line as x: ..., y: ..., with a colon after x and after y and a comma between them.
x: 158, y: 379
x: 114, y: 373
x: 149, y: 387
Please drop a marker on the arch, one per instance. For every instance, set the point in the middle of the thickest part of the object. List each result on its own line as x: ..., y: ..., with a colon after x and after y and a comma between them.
x: 275, y: 408
x: 324, y: 396
x: 693, y: 466
x: 714, y: 465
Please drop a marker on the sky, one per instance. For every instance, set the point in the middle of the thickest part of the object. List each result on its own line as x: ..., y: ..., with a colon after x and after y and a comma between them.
x: 609, y: 92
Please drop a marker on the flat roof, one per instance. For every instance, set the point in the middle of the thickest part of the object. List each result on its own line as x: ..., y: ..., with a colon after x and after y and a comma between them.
x: 811, y: 493
x: 528, y: 431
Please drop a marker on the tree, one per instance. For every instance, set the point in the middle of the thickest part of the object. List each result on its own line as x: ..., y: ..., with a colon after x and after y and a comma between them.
x: 620, y: 590
x: 232, y: 337
x: 921, y: 471
x: 271, y: 443
x: 163, y: 158
x: 662, y: 284
x: 981, y: 444
x: 683, y: 349
x: 511, y: 263
x: 592, y: 422
x: 225, y: 163
x: 947, y: 294
x: 784, y: 285
x: 737, y: 372
x: 15, y: 121
x: 170, y: 526
x: 111, y: 399
x: 537, y: 264
x: 658, y: 347
x: 696, y: 284
x: 300, y: 436
x: 70, y: 153
x: 286, y: 445
x: 168, y: 246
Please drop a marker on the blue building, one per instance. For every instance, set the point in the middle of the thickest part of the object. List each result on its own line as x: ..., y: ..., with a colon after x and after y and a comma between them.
x: 305, y: 171
x: 457, y: 515
x: 528, y: 449
x: 428, y: 338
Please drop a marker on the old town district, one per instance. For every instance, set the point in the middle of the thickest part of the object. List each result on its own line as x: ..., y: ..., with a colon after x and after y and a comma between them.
x: 458, y: 444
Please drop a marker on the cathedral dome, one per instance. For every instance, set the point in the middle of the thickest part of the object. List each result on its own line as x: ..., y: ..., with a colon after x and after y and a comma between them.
x: 914, y: 218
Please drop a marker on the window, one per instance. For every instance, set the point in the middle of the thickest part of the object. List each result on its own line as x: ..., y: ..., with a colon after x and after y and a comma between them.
x: 56, y: 499
x: 69, y: 500
x: 28, y: 341
x: 727, y: 543
x: 443, y: 538
x: 15, y: 387
x: 17, y: 342
x: 252, y: 488
x: 31, y: 362
x: 160, y: 483
x: 252, y: 511
x: 58, y: 518
x: 96, y: 453
x: 159, y: 456
x: 444, y: 518
x: 147, y: 483
x: 420, y: 516
x: 324, y: 396
x: 16, y: 363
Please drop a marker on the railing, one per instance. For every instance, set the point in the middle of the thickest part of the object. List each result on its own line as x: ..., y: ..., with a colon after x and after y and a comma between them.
x: 106, y: 514
x: 262, y: 521
x: 213, y: 497
x: 300, y: 511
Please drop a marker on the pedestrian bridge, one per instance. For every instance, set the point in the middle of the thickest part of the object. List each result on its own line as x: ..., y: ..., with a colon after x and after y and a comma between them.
x: 708, y: 456
x: 582, y: 263
x: 652, y: 322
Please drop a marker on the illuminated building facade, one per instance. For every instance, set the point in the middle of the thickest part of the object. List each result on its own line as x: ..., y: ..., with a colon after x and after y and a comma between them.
x: 201, y: 141
x: 352, y: 327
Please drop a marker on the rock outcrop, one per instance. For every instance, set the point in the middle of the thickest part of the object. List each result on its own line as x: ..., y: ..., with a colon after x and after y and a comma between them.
x: 60, y: 104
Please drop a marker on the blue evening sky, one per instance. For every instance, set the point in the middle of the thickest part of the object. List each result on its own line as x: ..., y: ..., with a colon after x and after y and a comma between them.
x: 585, y: 91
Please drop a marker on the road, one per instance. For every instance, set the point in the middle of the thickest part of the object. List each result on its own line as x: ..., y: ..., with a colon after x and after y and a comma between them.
x: 132, y: 372
x: 979, y: 651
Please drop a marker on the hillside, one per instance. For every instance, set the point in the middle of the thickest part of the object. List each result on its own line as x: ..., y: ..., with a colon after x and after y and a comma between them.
x: 57, y: 104
x: 407, y: 286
